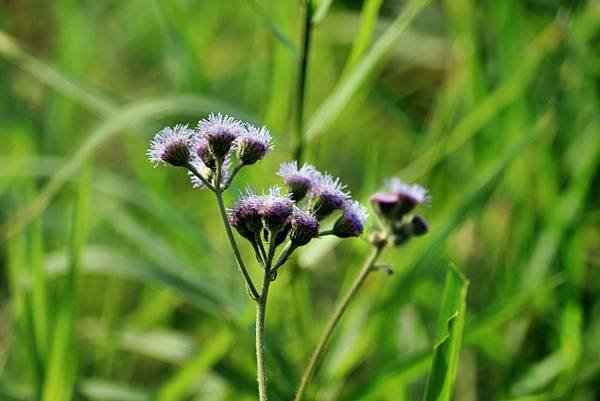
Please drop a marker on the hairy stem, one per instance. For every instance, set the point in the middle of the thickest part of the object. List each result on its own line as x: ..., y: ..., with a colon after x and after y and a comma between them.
x: 261, y: 371
x: 236, y: 251
x: 333, y: 322
x: 261, y: 309
x: 301, y: 83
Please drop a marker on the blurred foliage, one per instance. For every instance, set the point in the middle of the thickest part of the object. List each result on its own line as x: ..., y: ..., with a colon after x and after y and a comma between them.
x: 116, y: 279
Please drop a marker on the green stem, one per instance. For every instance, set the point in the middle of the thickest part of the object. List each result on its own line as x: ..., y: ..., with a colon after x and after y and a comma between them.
x: 283, y: 257
x: 301, y: 84
x: 238, y: 258
x: 236, y: 170
x: 261, y: 309
x: 333, y: 322
x: 200, y: 176
x: 261, y: 371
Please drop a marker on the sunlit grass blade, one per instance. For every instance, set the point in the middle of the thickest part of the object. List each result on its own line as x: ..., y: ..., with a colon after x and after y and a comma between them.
x: 341, y: 95
x: 489, y: 107
x: 368, y: 22
x: 416, y: 366
x: 10, y: 49
x: 179, y: 386
x: 273, y: 28
x: 62, y: 359
x: 449, y: 332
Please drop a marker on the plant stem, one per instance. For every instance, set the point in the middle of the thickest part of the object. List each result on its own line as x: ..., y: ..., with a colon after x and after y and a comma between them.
x: 333, y: 322
x: 301, y: 84
x: 261, y: 309
x: 236, y: 251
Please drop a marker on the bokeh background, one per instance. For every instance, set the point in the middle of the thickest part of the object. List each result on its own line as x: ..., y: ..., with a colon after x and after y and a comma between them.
x: 116, y: 281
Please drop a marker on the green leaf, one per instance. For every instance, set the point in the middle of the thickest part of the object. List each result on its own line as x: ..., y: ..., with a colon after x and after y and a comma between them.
x: 440, y: 383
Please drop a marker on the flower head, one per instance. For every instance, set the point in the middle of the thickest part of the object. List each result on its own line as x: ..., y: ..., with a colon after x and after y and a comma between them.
x: 220, y: 131
x: 171, y: 145
x: 328, y: 195
x: 245, y: 216
x: 409, y: 195
x: 401, y: 199
x: 253, y: 144
x: 305, y: 227
x: 275, y: 209
x: 351, y: 222
x: 299, y: 181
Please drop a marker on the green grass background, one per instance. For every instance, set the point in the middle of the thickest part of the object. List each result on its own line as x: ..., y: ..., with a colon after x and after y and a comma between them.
x: 116, y: 281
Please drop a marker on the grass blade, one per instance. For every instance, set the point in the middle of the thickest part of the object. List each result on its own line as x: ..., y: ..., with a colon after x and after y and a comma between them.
x: 347, y: 88
x: 440, y: 384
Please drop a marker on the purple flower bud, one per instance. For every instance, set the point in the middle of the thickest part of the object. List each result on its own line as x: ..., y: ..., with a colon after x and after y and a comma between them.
x: 299, y: 181
x: 419, y: 225
x: 351, y: 222
x: 245, y: 216
x: 275, y: 209
x: 385, y: 204
x: 171, y: 145
x: 328, y: 195
x: 253, y: 144
x: 282, y: 234
x: 220, y: 131
x: 409, y: 196
x: 305, y: 227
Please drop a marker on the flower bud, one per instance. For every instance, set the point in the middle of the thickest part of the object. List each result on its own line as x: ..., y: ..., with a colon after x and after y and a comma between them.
x: 245, y: 216
x: 253, y: 144
x: 419, y: 225
x: 351, y: 222
x: 299, y: 181
x: 275, y: 209
x: 328, y: 195
x: 385, y: 205
x: 220, y: 132
x: 305, y: 227
x: 171, y: 145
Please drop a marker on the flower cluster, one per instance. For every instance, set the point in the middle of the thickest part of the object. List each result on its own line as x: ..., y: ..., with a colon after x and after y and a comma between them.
x: 395, y: 206
x: 210, y: 148
x: 295, y: 215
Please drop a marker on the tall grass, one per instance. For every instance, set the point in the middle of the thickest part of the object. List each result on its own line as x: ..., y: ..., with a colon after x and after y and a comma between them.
x: 109, y: 287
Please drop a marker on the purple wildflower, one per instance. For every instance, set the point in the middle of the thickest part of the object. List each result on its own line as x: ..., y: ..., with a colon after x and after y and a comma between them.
x: 351, y: 222
x: 299, y: 181
x: 253, y: 144
x: 328, y: 195
x: 220, y: 131
x: 408, y: 195
x: 245, y: 216
x: 171, y: 145
x: 305, y: 227
x: 401, y: 199
x: 275, y: 209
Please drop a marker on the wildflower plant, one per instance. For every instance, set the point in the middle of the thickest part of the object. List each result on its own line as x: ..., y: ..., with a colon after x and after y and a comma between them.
x: 279, y: 220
